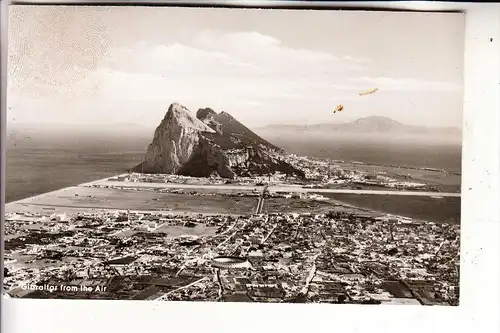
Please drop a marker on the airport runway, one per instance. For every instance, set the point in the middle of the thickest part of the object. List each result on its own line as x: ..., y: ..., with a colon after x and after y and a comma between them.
x: 289, y: 188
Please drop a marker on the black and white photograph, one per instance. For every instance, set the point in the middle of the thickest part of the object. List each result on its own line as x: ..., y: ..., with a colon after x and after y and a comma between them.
x: 234, y: 155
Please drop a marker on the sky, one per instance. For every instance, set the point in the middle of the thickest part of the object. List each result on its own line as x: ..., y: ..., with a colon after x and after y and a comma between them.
x: 126, y: 65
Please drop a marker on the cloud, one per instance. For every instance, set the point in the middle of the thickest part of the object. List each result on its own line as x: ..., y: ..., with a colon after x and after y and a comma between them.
x: 248, y: 54
x: 255, y: 77
x: 407, y: 84
x: 240, y: 70
x: 272, y: 56
x: 242, y: 42
x: 212, y: 66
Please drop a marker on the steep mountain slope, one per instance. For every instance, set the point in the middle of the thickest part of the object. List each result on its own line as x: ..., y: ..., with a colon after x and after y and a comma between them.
x: 210, y: 144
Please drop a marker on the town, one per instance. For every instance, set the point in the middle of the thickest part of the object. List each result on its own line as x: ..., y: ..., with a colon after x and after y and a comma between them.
x: 335, y: 257
x: 319, y: 173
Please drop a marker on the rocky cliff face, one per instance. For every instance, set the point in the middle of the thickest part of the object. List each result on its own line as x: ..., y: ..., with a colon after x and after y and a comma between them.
x: 210, y: 144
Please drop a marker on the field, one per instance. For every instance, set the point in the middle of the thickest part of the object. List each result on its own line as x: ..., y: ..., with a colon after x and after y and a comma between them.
x: 206, y: 201
x: 106, y: 198
x: 85, y: 198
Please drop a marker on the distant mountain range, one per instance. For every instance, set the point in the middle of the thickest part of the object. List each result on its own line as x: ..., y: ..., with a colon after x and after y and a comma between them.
x: 367, y: 125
